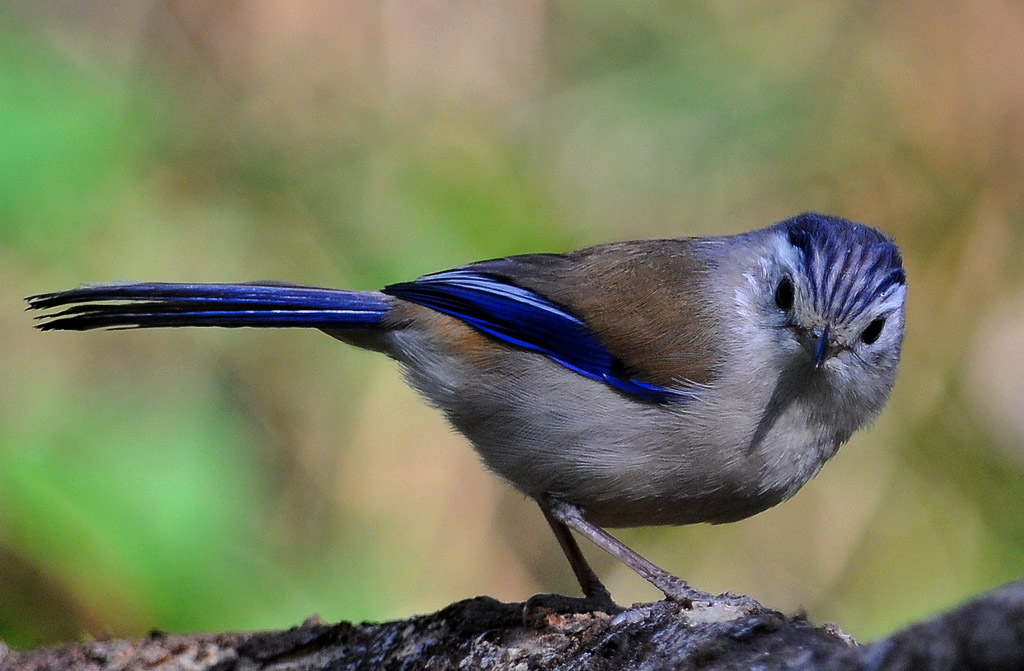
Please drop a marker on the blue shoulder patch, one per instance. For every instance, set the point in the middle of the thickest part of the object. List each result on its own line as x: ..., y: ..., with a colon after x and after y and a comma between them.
x: 526, y: 319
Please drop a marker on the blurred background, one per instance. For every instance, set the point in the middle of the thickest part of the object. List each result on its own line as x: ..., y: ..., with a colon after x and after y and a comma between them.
x: 221, y: 480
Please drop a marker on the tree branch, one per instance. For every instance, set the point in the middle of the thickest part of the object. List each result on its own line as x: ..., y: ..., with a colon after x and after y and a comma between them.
x: 730, y: 633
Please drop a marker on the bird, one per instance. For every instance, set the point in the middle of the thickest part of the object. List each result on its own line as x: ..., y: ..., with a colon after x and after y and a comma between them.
x: 649, y: 382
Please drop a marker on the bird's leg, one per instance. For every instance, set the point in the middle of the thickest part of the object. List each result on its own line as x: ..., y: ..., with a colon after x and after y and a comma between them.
x: 596, y: 596
x: 562, y: 514
x: 591, y: 585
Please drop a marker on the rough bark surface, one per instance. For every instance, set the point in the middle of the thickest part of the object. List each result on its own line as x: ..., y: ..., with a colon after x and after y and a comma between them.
x: 730, y: 633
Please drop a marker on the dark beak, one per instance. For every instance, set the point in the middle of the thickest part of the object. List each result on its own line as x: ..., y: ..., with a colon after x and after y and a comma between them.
x: 821, y: 347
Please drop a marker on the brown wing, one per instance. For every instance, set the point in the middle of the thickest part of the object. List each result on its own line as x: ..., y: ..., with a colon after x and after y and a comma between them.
x: 645, y: 300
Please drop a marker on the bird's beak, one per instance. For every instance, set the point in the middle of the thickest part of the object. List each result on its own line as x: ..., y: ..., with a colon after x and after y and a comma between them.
x: 821, y: 347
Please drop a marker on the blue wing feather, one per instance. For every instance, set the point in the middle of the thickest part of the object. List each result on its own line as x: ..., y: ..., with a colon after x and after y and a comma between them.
x: 526, y: 319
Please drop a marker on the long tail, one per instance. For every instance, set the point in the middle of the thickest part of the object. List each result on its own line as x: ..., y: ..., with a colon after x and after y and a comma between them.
x: 231, y: 305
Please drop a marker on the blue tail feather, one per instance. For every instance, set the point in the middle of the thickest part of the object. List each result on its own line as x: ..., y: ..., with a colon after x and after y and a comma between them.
x: 264, y: 305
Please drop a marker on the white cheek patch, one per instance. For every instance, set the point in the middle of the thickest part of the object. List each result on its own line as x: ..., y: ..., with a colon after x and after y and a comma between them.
x: 748, y: 296
x: 786, y: 253
x: 755, y: 331
x: 893, y: 298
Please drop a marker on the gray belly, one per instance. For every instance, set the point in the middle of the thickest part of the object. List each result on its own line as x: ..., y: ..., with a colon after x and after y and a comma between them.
x: 548, y: 430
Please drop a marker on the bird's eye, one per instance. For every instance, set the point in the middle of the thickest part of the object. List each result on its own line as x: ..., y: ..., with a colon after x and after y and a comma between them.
x: 784, y: 294
x: 874, y: 329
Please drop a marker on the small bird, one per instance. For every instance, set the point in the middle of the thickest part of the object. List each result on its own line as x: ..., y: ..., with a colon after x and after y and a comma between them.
x: 637, y: 383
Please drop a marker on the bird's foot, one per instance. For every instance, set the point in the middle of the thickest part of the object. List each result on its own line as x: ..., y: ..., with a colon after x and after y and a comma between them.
x: 569, y: 605
x: 678, y: 590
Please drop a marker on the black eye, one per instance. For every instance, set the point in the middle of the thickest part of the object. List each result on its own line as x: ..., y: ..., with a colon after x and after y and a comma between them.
x: 784, y: 294
x: 874, y: 329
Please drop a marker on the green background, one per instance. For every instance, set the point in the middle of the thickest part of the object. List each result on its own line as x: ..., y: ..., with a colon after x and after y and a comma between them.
x: 213, y: 480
